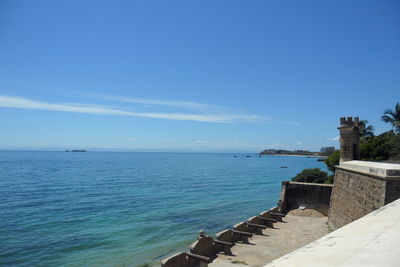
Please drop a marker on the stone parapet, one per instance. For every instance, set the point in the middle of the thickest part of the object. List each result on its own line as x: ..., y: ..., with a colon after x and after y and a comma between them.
x: 386, y: 171
x: 361, y: 187
x: 309, y: 195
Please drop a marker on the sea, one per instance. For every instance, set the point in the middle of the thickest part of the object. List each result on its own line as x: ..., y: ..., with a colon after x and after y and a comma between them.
x: 128, y: 208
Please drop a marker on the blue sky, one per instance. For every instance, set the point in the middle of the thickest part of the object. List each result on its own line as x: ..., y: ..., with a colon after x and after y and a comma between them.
x: 236, y: 76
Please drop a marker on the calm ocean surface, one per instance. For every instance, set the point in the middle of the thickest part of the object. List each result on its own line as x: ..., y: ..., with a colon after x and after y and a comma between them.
x: 127, y: 209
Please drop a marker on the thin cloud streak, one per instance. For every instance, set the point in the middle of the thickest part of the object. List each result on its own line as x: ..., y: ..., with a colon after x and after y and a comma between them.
x: 146, y: 101
x: 23, y: 103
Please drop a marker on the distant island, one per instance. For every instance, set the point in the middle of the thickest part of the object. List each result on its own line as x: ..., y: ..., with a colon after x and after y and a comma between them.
x: 76, y: 150
x: 325, y: 151
x: 289, y: 152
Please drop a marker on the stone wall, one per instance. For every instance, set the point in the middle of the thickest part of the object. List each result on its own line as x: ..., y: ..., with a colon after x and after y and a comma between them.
x: 310, y: 195
x: 354, y: 196
x: 392, y: 190
x: 357, y: 192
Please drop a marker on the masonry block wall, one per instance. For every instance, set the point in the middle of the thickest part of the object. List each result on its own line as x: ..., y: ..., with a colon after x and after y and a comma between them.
x: 310, y: 195
x: 392, y: 191
x: 355, y: 194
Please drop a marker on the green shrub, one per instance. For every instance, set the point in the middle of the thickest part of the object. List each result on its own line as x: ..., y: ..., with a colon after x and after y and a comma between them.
x: 381, y: 147
x: 395, y: 143
x: 311, y: 176
x: 330, y: 179
x: 333, y: 160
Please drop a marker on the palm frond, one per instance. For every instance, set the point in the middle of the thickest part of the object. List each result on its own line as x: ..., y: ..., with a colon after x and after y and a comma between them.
x: 388, y: 119
x: 389, y: 112
x: 393, y: 117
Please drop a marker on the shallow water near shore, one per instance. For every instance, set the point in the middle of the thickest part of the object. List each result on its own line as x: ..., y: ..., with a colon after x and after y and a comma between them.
x: 127, y: 209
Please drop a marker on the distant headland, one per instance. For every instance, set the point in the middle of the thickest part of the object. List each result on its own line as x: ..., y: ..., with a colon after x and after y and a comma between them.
x: 76, y: 150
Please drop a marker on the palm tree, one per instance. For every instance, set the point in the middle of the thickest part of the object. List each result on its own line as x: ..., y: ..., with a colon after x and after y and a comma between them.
x: 393, y: 117
x: 366, y: 131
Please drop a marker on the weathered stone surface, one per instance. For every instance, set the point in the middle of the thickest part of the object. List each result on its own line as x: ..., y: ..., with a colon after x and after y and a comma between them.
x: 349, y: 139
x: 179, y: 260
x: 225, y: 235
x: 240, y: 226
x: 357, y: 192
x: 310, y: 195
x: 204, y: 246
x: 385, y: 170
x: 392, y: 190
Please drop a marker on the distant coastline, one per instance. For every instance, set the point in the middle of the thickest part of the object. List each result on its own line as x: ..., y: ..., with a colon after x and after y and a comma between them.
x: 302, y: 153
x: 288, y: 152
x: 294, y: 155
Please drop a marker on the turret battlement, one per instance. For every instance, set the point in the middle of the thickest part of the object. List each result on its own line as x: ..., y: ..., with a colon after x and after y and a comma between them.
x: 349, y: 122
x: 349, y: 138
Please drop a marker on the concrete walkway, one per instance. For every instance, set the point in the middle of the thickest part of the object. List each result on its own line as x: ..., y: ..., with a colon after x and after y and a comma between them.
x: 373, y: 240
x: 296, y: 231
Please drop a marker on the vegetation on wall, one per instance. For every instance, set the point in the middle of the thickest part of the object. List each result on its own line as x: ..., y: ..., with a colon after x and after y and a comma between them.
x: 311, y: 176
x: 332, y: 160
x: 385, y: 146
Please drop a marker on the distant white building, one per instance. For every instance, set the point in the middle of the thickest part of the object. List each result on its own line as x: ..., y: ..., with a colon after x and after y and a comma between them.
x: 327, y: 150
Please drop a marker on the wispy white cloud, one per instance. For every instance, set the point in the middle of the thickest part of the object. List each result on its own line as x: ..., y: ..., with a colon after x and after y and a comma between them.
x: 156, y: 102
x: 299, y: 143
x: 131, y: 139
x: 24, y: 103
x: 333, y: 138
x: 290, y: 123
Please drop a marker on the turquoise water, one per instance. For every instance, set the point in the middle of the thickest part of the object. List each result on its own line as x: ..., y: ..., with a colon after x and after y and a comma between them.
x: 127, y: 209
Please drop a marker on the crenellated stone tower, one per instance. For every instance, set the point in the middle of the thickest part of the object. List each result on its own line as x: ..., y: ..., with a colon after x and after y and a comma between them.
x: 349, y: 139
